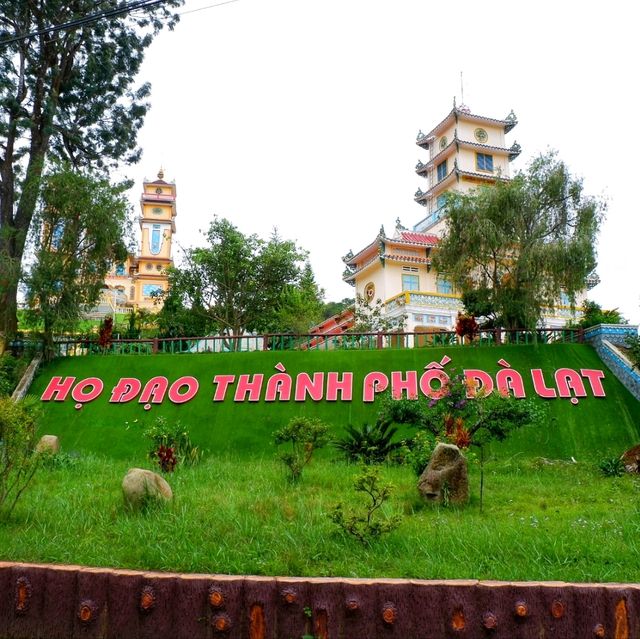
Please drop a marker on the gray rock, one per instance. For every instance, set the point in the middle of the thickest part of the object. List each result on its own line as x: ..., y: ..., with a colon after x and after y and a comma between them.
x: 48, y: 444
x: 445, y: 479
x: 141, y: 486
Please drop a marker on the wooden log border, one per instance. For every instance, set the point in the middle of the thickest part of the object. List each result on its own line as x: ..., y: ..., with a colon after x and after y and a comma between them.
x: 69, y: 602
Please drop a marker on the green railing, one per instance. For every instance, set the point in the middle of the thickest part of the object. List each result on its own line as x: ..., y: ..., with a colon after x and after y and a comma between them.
x: 67, y: 347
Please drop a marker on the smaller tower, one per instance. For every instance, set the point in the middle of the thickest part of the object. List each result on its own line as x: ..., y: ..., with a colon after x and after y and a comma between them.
x: 134, y: 283
x: 157, y: 226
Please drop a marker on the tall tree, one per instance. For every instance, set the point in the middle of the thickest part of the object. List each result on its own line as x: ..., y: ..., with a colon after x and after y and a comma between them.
x: 65, y: 93
x: 300, y: 305
x: 522, y: 243
x: 81, y: 224
x: 235, y: 283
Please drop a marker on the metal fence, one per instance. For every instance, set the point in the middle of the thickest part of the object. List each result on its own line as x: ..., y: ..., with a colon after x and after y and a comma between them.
x: 67, y: 347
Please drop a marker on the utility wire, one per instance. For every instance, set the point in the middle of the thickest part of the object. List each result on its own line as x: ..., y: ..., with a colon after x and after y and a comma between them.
x: 93, y: 17
x: 210, y: 6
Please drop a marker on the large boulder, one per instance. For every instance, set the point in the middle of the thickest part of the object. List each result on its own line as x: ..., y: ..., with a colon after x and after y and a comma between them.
x: 140, y: 486
x: 631, y: 460
x: 445, y: 479
x: 48, y: 444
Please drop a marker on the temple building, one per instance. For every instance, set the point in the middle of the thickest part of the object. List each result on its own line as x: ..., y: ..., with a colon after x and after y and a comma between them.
x: 465, y: 150
x: 132, y: 284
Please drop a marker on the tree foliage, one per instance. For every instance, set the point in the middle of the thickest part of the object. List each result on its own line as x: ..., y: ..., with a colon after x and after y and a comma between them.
x: 523, y: 242
x: 237, y: 282
x: 67, y: 94
x: 593, y: 314
x: 370, y: 317
x: 18, y: 461
x: 81, y: 223
x: 300, y: 305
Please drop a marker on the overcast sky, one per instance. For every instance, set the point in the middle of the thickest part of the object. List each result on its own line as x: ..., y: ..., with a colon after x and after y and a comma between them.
x: 303, y: 115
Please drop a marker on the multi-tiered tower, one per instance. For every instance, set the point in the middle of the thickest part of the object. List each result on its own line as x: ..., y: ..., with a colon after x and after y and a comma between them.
x: 465, y: 150
x: 136, y: 282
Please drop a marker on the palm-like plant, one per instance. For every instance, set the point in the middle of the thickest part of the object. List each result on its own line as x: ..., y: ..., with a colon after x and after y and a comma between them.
x: 369, y: 444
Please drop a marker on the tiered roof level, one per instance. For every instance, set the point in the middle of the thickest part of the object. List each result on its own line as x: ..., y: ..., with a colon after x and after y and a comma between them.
x: 465, y: 151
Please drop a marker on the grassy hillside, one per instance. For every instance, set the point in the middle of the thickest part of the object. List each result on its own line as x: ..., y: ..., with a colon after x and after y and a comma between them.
x: 595, y: 427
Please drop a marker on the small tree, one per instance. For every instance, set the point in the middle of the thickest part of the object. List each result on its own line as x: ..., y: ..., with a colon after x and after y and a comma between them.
x: 18, y: 461
x: 370, y: 317
x: 365, y: 522
x: 593, y: 314
x: 235, y: 283
x: 464, y: 417
x: 305, y: 436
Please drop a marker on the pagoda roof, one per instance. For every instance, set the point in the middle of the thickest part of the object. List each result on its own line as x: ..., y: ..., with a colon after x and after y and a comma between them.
x: 390, y: 248
x: 403, y: 238
x: 460, y: 113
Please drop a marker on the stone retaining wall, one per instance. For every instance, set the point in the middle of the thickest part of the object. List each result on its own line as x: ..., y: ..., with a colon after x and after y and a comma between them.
x: 602, y: 337
x: 68, y: 602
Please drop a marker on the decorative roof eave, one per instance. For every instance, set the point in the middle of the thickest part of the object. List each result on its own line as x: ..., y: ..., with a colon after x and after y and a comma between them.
x: 485, y: 147
x: 421, y: 197
x: 508, y: 123
x: 407, y: 258
x: 514, y: 151
x: 352, y: 259
x: 592, y: 280
x: 483, y: 177
x: 437, y: 158
x: 350, y: 277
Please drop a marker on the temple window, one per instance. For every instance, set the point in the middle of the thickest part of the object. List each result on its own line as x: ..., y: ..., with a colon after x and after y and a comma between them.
x: 444, y: 286
x: 441, y: 170
x: 484, y: 162
x: 410, y: 282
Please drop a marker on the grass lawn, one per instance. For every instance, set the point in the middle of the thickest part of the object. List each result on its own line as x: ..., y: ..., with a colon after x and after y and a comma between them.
x: 542, y: 521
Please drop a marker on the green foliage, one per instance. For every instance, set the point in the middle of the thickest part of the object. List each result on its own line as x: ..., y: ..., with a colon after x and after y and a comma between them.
x: 305, y: 436
x: 633, y: 344
x: 171, y: 445
x: 523, y: 242
x: 235, y: 284
x: 300, y: 305
x: 612, y: 467
x: 68, y: 95
x: 80, y: 226
x: 419, y: 450
x: 370, y: 317
x: 18, y: 461
x: 365, y: 521
x: 11, y: 369
x: 592, y: 314
x: 333, y: 308
x: 369, y: 444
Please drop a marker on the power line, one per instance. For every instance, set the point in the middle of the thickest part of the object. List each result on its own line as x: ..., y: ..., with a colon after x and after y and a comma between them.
x: 93, y: 17
x: 211, y: 6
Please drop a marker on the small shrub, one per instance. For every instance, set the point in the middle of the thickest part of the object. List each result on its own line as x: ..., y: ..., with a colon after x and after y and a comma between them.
x: 10, y: 371
x: 18, y: 461
x: 368, y: 444
x: 61, y: 460
x: 365, y: 522
x: 305, y: 436
x: 612, y: 467
x: 419, y: 451
x: 171, y: 445
x: 633, y: 344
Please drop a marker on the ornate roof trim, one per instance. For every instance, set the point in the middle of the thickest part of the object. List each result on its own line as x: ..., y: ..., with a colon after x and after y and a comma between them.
x: 508, y: 123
